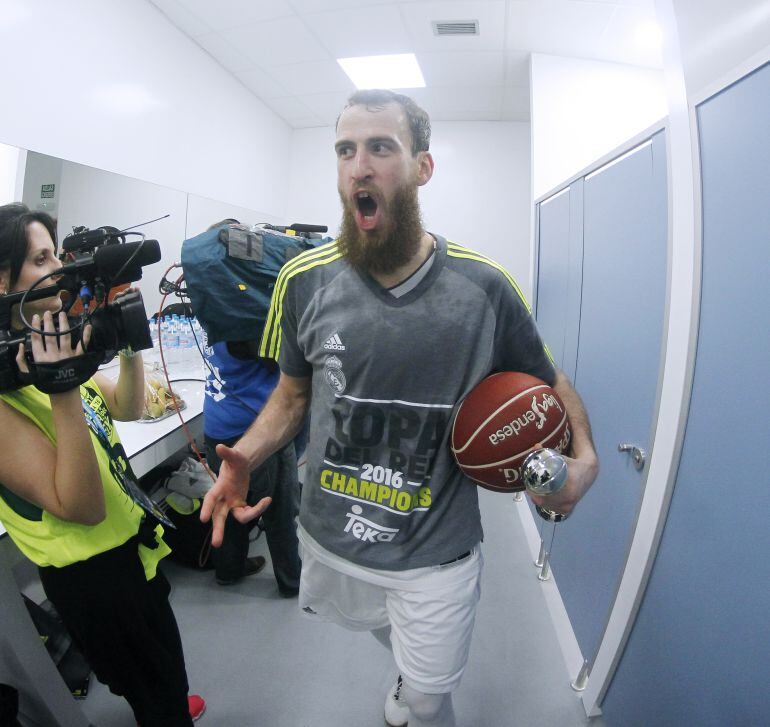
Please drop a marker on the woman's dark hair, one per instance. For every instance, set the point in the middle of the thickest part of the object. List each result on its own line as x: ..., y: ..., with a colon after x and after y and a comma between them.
x: 14, y: 221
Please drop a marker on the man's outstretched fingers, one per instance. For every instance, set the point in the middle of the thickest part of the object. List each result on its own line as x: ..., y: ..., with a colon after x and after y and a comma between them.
x: 227, y: 454
x: 218, y: 524
x: 209, y: 500
x: 247, y: 514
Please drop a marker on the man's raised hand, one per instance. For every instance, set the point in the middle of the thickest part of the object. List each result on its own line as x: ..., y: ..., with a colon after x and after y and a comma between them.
x: 229, y: 494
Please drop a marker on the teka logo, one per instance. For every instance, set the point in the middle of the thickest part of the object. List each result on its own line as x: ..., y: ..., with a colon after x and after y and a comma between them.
x: 365, y: 530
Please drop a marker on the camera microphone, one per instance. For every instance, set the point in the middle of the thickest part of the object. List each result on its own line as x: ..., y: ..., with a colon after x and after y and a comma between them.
x: 109, y: 260
x: 297, y: 227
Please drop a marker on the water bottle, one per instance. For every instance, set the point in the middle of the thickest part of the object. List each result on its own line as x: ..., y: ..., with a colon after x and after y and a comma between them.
x: 185, y: 340
x: 163, y: 334
x: 198, y: 332
x: 153, y: 325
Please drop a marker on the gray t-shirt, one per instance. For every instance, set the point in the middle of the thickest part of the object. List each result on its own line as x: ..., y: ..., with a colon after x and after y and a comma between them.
x: 381, y: 487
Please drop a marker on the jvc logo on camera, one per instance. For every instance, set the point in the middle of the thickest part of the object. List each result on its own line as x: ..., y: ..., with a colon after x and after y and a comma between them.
x: 366, y: 530
x: 65, y: 374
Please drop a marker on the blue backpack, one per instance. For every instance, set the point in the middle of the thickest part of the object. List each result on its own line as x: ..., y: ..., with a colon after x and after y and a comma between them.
x: 230, y: 273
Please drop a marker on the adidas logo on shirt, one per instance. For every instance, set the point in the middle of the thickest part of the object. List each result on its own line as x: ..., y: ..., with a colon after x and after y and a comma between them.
x: 334, y: 343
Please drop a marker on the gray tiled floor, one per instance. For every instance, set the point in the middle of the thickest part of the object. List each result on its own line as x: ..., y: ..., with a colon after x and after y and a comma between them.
x: 258, y: 661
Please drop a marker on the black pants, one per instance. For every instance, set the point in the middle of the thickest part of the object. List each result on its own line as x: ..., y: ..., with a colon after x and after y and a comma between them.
x: 125, y: 627
x: 276, y: 478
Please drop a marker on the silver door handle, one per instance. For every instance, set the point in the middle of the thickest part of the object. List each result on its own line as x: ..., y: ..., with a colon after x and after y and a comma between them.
x: 637, y: 454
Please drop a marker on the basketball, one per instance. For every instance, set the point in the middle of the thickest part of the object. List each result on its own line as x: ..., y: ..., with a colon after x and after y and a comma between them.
x: 504, y: 418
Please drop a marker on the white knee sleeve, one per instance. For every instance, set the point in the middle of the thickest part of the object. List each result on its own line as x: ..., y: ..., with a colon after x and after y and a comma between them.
x: 429, y: 708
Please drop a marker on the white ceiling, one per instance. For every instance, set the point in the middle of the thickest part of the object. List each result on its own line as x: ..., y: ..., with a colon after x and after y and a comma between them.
x: 284, y: 51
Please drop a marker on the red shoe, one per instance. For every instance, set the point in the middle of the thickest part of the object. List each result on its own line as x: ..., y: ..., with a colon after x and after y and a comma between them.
x: 196, y: 705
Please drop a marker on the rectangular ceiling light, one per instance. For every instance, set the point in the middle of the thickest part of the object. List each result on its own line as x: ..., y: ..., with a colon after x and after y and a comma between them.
x: 398, y: 71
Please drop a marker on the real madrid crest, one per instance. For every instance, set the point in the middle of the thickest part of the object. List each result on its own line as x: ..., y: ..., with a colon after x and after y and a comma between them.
x: 333, y: 374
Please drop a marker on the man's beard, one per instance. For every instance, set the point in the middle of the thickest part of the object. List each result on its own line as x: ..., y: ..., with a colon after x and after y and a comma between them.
x: 388, y: 249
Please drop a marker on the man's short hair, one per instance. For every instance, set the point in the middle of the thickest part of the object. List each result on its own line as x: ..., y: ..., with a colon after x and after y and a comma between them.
x: 375, y: 99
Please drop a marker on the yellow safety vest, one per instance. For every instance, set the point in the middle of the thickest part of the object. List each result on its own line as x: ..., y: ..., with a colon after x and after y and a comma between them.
x: 49, y: 541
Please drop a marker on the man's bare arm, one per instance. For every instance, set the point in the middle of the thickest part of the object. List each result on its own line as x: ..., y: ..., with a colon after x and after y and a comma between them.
x: 279, y: 422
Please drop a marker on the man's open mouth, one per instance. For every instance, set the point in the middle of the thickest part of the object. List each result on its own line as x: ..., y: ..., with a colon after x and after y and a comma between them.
x: 366, y: 204
x: 367, y: 211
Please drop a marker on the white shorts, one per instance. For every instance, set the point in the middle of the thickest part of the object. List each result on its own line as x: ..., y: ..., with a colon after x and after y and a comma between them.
x: 431, y: 611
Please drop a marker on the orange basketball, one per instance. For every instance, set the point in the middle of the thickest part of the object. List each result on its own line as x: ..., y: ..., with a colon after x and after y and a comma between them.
x: 503, y: 419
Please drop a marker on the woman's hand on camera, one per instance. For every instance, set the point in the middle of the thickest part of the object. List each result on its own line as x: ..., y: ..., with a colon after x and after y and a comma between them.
x: 52, y: 348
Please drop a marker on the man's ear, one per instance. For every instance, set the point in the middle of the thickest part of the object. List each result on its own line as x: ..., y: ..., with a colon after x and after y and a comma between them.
x: 5, y: 277
x: 424, y: 167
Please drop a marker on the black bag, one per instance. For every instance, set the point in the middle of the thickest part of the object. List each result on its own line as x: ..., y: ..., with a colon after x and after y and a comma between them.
x: 9, y: 706
x: 67, y: 657
x: 190, y: 543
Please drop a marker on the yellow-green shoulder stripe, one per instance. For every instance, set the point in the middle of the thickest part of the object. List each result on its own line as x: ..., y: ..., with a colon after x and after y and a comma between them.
x: 458, y: 251
x: 455, y: 250
x: 271, y: 338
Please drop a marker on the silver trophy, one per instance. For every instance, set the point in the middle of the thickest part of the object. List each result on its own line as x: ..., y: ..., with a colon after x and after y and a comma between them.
x: 544, y: 472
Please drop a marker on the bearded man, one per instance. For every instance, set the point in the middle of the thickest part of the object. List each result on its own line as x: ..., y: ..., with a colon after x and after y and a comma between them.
x: 381, y: 334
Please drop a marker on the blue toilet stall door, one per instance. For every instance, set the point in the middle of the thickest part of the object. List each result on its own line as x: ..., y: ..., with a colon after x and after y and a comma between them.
x: 699, y: 653
x: 624, y: 252
x: 553, y: 272
x: 559, y: 271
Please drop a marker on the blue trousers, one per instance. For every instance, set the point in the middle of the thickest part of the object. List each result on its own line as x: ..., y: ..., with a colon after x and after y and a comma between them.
x: 276, y: 478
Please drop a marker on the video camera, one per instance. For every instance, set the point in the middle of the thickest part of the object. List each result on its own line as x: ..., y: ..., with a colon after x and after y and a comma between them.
x: 94, y: 262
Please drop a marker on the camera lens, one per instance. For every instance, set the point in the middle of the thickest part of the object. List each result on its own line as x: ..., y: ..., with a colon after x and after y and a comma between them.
x: 130, y: 319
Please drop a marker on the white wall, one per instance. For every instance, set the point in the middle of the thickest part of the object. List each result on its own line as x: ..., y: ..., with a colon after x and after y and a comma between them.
x: 11, y: 159
x: 479, y: 195
x: 39, y: 170
x: 115, y: 86
x: 95, y: 198
x: 717, y: 36
x: 583, y: 109
x: 312, y: 196
x: 203, y: 212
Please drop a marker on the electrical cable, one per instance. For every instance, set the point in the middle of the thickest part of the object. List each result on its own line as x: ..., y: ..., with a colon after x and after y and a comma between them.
x: 188, y: 434
x: 174, y: 399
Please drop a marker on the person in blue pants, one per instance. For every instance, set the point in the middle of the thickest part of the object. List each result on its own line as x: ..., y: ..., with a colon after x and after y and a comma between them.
x: 237, y: 387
